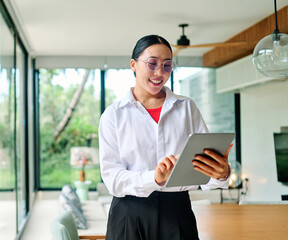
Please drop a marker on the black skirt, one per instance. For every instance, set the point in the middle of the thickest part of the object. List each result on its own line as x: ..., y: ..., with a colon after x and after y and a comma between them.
x: 161, y: 216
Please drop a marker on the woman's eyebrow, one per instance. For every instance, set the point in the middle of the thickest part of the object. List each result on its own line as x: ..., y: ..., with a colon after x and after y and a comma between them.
x: 158, y: 58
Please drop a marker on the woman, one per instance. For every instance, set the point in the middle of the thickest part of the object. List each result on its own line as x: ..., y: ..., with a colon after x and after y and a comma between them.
x: 139, y: 137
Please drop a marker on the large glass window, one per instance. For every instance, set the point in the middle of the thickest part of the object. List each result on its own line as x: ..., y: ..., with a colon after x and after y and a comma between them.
x: 21, y: 122
x: 13, y: 185
x: 181, y: 73
x: 69, y: 102
x: 117, y: 84
x: 77, y: 125
x: 7, y: 144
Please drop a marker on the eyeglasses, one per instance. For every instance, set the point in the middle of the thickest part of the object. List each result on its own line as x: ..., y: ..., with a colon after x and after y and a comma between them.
x: 154, y: 63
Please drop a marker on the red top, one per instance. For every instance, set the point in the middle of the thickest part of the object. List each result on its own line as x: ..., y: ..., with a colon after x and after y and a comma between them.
x: 155, y: 113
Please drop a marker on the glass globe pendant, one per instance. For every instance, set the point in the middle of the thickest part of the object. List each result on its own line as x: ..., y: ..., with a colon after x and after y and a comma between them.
x: 235, y: 179
x: 270, y: 56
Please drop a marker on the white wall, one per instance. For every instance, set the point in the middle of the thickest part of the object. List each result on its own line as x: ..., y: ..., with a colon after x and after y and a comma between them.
x: 264, y: 109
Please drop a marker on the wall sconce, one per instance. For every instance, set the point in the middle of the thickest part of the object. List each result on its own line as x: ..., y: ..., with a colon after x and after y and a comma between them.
x: 270, y: 56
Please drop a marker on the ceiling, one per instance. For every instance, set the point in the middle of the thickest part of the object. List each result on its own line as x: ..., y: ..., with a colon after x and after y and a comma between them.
x: 111, y: 28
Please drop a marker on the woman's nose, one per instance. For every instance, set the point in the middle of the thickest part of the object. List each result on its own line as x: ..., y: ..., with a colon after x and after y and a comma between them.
x: 159, y: 70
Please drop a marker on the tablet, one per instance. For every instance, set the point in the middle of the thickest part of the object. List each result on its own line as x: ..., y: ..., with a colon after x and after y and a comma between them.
x: 183, y: 173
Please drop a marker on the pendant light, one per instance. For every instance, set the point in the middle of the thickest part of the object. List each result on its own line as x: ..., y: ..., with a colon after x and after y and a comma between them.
x: 270, y: 56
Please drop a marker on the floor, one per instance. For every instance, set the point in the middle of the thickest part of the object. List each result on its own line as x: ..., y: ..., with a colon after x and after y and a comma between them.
x: 7, y: 219
x: 45, y: 209
x: 215, y: 221
x: 242, y: 222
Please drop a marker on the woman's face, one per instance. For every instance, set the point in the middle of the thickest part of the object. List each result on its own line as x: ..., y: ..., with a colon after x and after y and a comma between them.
x: 148, y: 81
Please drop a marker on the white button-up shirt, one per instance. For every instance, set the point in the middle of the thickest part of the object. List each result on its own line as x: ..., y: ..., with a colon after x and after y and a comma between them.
x: 131, y: 143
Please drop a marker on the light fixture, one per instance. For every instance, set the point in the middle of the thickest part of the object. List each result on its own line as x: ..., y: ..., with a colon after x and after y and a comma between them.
x: 83, y: 157
x: 270, y: 56
x: 235, y: 179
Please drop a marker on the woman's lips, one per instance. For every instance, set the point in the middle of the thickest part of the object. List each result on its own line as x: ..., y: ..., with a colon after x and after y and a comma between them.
x: 156, y: 81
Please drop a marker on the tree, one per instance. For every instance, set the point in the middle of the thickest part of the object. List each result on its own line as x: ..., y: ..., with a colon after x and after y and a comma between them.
x: 81, y: 130
x: 69, y: 112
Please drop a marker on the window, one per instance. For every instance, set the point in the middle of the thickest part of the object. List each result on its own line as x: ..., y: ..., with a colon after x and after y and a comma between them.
x: 69, y: 118
x: 117, y: 84
x: 21, y: 143
x: 7, y: 141
x: 13, y: 131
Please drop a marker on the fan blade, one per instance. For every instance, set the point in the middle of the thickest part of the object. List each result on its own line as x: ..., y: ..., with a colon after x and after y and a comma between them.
x: 224, y: 44
x: 177, y: 51
x: 178, y: 46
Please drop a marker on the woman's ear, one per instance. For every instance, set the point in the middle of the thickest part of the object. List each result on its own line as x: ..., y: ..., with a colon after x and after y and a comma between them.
x: 133, y: 65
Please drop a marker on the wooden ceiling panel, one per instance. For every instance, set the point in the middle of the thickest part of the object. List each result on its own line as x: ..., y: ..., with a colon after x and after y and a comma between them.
x: 220, y: 56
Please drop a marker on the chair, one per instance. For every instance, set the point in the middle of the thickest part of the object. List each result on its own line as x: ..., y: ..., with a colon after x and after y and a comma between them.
x: 63, y: 227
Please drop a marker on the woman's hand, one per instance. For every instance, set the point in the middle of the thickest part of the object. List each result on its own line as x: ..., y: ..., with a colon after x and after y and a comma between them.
x: 217, y: 167
x: 164, y: 169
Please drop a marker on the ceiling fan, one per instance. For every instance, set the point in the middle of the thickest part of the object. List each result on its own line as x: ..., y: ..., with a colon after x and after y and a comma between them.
x: 184, y: 42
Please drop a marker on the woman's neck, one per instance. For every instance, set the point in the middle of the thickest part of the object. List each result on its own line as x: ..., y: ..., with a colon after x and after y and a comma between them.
x: 148, y: 100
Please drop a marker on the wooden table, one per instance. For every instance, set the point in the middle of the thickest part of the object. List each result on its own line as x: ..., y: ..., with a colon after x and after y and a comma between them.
x: 242, y: 222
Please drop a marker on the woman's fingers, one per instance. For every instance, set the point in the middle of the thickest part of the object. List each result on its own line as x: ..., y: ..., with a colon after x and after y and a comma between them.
x: 218, y: 157
x: 207, y: 161
x: 204, y: 169
x: 213, y: 164
x: 228, y: 150
x: 214, y: 172
x: 202, y: 166
x: 169, y: 161
x: 173, y: 159
x: 164, y: 168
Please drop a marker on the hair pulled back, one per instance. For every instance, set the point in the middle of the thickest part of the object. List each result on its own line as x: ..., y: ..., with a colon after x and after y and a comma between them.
x: 146, y: 42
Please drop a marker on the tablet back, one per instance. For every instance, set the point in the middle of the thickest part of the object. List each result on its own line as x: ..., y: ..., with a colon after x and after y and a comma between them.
x: 183, y: 173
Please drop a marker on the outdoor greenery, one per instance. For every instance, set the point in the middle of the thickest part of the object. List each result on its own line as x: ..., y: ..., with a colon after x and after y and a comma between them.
x: 7, y: 170
x: 82, y: 129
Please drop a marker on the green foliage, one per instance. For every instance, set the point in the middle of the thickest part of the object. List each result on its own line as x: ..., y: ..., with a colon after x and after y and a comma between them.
x: 78, y: 132
x: 109, y: 97
x: 7, y: 136
x: 7, y: 161
x: 55, y: 155
x: 7, y: 178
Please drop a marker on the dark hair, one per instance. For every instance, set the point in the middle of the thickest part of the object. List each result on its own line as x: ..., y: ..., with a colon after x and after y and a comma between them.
x: 146, y: 42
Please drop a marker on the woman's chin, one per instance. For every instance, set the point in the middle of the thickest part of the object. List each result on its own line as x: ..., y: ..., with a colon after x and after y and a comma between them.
x: 155, y: 90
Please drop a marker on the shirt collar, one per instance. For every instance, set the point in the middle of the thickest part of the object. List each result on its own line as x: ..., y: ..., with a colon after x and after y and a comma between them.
x: 171, y: 97
x: 129, y: 98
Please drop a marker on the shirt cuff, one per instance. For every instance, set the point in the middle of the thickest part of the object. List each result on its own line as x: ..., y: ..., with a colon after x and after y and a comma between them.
x: 214, y: 184
x: 149, y: 182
